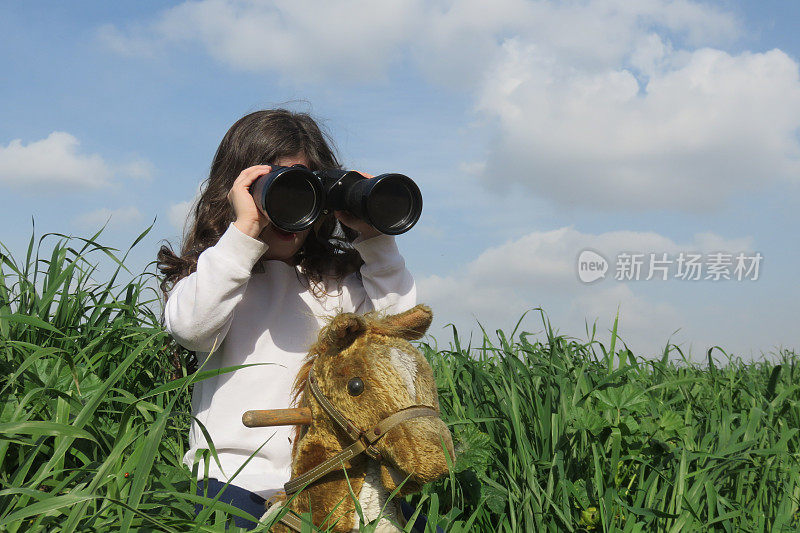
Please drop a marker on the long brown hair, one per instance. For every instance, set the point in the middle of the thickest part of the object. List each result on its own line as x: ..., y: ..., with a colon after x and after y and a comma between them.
x: 263, y: 137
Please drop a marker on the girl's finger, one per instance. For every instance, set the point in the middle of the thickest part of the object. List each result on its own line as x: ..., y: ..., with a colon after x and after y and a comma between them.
x: 251, y: 174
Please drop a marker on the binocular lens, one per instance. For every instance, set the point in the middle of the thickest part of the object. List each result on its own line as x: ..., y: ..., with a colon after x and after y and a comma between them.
x: 394, y: 204
x: 294, y: 197
x: 293, y: 200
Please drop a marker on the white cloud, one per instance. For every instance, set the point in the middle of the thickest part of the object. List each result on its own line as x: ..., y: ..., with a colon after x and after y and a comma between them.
x: 539, y: 270
x: 177, y: 214
x: 137, y: 169
x: 609, y: 103
x: 116, y: 218
x: 703, y: 127
x: 306, y: 39
x: 58, y: 161
x: 131, y: 43
x: 463, y: 39
x: 54, y: 160
x: 453, y: 41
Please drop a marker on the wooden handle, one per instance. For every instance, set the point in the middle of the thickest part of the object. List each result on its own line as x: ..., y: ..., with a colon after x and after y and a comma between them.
x: 277, y: 417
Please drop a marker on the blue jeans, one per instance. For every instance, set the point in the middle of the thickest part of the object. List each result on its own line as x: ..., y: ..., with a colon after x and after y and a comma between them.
x: 253, y: 504
x: 420, y: 522
x: 245, y: 500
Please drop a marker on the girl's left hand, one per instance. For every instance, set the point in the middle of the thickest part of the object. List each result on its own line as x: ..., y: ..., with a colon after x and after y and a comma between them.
x: 351, y: 221
x: 364, y: 229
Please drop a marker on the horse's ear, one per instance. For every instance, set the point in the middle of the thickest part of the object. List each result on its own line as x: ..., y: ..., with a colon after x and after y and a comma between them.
x: 342, y: 331
x: 412, y: 324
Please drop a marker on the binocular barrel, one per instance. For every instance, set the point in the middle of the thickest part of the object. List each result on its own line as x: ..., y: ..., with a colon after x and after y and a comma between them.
x: 294, y: 197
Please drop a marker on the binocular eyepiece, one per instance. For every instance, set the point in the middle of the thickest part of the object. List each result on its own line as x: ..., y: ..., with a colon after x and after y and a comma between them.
x: 294, y: 197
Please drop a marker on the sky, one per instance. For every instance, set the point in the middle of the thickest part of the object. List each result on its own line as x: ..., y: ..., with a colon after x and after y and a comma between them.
x: 650, y: 132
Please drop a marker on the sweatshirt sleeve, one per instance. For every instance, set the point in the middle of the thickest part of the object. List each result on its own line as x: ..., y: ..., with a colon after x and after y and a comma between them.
x: 387, y: 283
x: 200, y: 307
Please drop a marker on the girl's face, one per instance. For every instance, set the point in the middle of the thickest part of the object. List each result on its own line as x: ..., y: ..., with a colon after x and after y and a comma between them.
x: 283, y: 245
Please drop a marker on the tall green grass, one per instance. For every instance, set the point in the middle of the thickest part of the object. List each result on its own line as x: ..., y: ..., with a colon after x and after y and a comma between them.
x: 552, y: 434
x: 562, y: 435
x: 86, y: 444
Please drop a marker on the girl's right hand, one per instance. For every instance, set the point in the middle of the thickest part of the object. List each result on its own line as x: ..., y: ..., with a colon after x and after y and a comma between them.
x: 249, y: 219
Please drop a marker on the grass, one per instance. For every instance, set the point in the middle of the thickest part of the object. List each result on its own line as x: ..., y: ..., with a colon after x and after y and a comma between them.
x: 561, y: 435
x: 552, y: 434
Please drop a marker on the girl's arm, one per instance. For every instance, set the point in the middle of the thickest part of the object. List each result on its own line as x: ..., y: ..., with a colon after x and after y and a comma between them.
x: 386, y: 283
x: 200, y: 307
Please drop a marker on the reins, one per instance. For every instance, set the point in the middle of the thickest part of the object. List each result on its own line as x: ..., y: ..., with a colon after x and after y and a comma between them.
x: 364, y: 441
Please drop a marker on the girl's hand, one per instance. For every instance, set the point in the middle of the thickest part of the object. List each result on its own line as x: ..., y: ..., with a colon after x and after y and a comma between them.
x: 249, y: 219
x: 363, y: 228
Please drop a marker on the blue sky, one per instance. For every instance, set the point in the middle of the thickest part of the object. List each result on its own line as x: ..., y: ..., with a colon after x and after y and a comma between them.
x: 535, y: 130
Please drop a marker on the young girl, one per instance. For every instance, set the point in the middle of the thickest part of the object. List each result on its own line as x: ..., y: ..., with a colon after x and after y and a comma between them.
x: 244, y: 291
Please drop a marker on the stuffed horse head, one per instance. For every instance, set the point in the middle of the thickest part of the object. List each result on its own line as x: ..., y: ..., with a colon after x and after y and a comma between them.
x: 368, y: 421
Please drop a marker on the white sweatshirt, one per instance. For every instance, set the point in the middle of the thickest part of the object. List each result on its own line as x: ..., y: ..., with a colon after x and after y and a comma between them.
x: 264, y: 317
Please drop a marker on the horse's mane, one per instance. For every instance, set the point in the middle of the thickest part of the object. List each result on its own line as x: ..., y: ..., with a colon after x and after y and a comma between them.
x: 301, y: 379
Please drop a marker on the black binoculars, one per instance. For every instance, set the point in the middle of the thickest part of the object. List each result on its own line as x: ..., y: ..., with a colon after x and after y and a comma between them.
x: 294, y: 197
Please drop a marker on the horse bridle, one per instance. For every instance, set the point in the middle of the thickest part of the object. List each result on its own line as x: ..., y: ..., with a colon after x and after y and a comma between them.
x: 364, y: 441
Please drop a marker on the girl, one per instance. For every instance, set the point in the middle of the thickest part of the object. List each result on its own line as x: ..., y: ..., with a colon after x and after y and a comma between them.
x: 244, y: 291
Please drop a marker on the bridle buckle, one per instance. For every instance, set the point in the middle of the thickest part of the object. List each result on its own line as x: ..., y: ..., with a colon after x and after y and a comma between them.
x: 369, y: 448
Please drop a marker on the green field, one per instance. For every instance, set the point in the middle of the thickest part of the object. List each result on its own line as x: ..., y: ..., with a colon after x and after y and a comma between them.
x: 552, y: 434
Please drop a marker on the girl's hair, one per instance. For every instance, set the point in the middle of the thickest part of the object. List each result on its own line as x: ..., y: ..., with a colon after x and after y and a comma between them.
x: 256, y: 139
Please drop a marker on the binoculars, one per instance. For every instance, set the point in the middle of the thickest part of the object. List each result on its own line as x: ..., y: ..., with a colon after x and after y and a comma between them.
x: 294, y: 197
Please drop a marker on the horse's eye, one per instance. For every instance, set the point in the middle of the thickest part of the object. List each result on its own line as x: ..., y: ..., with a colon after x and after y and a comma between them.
x: 355, y: 386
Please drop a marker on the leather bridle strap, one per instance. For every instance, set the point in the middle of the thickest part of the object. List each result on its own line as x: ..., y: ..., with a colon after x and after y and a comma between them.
x: 337, y: 461
x: 363, y: 440
x: 383, y: 427
x: 293, y: 521
x: 352, y: 431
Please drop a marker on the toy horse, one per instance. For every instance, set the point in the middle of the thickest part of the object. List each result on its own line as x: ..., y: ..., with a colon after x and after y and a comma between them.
x: 368, y: 408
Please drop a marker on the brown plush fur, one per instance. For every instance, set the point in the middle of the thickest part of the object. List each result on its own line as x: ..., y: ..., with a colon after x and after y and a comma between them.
x: 360, y: 346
